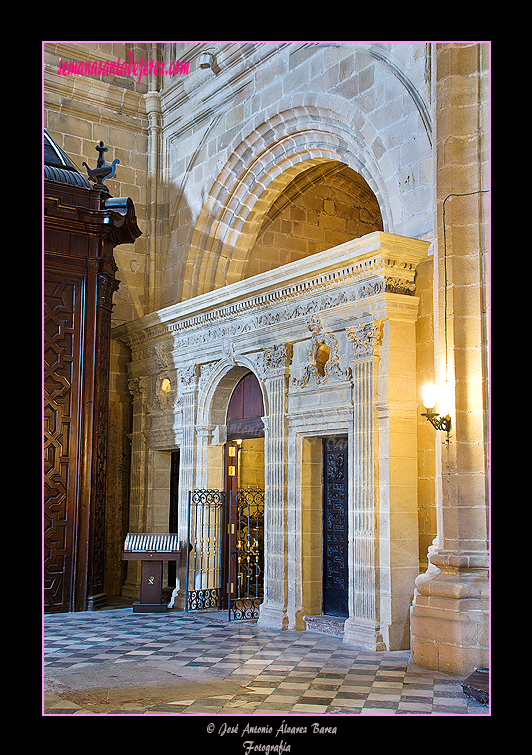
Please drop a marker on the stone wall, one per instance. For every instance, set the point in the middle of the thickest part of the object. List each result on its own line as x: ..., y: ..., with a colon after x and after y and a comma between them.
x: 233, y: 142
x: 205, y: 156
x: 288, y: 149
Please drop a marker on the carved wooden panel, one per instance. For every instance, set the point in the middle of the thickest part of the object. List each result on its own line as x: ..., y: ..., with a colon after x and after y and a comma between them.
x: 81, y: 228
x: 62, y: 348
x: 335, y: 543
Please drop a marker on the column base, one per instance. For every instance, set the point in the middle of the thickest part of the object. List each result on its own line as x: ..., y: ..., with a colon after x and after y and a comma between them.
x: 363, y: 634
x: 449, y: 621
x: 131, y: 591
x: 272, y: 616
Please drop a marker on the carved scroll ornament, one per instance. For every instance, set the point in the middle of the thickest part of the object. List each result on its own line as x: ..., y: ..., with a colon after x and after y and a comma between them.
x: 318, y: 367
x: 366, y: 338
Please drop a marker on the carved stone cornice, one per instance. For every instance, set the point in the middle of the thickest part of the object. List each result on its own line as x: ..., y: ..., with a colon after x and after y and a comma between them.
x: 373, y: 265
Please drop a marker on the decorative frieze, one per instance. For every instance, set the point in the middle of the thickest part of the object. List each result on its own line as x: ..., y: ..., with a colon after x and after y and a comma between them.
x: 201, y: 335
x: 361, y: 269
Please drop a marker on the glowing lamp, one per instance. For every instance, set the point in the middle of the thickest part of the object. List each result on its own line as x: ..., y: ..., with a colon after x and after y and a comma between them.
x: 430, y: 395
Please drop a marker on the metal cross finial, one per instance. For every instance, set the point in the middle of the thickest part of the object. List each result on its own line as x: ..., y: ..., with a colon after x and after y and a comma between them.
x: 101, y: 149
x: 101, y: 171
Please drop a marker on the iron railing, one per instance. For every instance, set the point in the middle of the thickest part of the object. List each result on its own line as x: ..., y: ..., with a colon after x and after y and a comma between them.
x: 240, y: 547
x: 204, y: 558
x: 246, y: 554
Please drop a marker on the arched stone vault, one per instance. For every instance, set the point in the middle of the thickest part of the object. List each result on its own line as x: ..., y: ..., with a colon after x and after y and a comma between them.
x: 259, y: 169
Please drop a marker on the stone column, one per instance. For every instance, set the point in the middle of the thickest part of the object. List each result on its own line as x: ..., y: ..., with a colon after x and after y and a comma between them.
x: 203, y: 436
x: 449, y: 617
x: 154, y: 114
x: 187, y: 478
x: 273, y: 611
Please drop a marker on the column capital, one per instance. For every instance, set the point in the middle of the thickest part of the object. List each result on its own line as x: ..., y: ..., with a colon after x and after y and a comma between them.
x: 138, y: 387
x: 366, y: 338
x: 275, y: 361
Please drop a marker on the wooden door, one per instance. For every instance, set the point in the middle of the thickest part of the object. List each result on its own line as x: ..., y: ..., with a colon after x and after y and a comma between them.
x: 63, y: 348
x: 174, y: 506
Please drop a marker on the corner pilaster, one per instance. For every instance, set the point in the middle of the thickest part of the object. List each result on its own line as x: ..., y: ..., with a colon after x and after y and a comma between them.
x: 361, y: 628
x: 138, y: 388
x: 273, y: 611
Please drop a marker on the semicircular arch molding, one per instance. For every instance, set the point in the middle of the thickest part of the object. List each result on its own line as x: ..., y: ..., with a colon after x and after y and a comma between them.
x: 259, y: 169
x: 218, y: 388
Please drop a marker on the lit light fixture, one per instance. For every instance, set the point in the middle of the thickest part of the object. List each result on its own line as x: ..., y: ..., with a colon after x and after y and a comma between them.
x: 430, y: 396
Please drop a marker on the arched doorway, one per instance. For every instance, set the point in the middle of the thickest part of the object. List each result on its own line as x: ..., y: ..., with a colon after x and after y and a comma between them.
x: 244, y: 424
x: 244, y: 493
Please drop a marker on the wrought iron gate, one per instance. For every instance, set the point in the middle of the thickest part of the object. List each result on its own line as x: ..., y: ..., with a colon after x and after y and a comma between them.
x: 205, y: 558
x: 246, y: 553
x: 243, y: 546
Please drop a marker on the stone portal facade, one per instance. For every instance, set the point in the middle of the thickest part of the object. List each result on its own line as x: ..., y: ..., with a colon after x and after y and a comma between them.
x: 358, y: 300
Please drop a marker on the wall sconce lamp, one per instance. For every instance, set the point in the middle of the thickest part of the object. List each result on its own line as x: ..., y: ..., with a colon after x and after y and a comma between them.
x: 430, y: 396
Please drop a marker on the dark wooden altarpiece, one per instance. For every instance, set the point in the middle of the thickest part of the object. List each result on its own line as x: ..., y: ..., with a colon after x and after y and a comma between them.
x: 82, y: 225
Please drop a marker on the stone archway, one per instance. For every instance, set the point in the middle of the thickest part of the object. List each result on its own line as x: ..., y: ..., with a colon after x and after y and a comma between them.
x: 323, y: 207
x: 258, y: 171
x: 213, y: 401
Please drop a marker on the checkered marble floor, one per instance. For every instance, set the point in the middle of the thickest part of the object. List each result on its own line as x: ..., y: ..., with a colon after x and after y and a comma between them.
x: 271, y: 672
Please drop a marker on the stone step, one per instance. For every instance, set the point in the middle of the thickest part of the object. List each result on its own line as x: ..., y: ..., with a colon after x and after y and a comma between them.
x: 326, y: 624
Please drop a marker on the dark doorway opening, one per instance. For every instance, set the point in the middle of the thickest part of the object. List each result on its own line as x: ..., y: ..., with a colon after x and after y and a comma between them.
x: 335, y: 540
x: 172, y: 517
